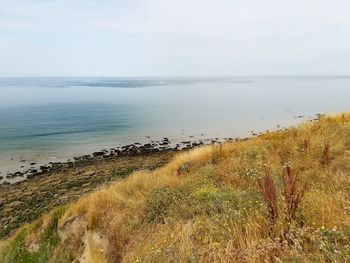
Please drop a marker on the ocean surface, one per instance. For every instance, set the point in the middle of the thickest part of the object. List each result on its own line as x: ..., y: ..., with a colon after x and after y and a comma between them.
x: 53, y: 119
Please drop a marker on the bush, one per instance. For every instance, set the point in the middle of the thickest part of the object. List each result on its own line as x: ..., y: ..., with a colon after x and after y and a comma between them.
x: 211, y: 200
x: 160, y: 201
x: 252, y: 153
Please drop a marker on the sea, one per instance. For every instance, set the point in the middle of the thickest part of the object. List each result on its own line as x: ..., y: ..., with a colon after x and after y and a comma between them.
x: 55, y: 119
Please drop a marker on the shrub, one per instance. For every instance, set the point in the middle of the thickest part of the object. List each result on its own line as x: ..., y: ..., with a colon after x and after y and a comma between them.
x: 210, y: 200
x: 162, y: 201
x: 183, y: 168
x: 252, y: 153
x: 159, y: 203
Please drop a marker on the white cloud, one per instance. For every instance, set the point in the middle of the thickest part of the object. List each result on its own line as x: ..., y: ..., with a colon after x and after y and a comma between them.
x: 178, y: 37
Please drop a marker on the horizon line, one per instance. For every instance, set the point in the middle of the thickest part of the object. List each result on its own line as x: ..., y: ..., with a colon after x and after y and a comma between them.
x: 186, y: 76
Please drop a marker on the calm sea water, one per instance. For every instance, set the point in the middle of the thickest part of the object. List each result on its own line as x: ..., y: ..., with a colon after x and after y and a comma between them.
x: 45, y: 119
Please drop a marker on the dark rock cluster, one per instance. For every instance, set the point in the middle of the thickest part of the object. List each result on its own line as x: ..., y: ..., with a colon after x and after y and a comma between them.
x: 135, y: 149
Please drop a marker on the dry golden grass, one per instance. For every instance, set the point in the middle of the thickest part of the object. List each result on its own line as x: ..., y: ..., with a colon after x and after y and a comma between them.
x: 205, y: 206
x: 4, y: 244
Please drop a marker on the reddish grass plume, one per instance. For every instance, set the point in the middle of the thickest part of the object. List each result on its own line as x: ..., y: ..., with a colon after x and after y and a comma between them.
x: 267, y: 189
x: 325, y: 159
x: 306, y: 145
x: 292, y: 192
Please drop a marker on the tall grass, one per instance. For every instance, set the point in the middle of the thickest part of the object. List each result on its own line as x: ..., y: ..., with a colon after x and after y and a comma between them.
x: 325, y: 159
x: 209, y: 205
x: 292, y: 192
x: 267, y: 189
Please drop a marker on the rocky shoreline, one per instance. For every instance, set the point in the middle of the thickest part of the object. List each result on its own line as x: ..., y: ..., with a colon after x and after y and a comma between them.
x: 27, y: 200
x: 135, y: 149
x: 56, y: 184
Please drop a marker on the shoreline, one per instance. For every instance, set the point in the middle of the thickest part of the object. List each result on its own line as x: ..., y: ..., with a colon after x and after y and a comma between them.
x: 233, y: 166
x: 64, y: 182
x: 37, y: 168
x: 131, y: 150
x: 25, y: 201
x: 57, y: 184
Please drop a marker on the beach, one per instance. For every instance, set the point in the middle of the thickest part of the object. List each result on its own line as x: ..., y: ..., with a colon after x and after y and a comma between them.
x: 24, y: 202
x: 52, y: 120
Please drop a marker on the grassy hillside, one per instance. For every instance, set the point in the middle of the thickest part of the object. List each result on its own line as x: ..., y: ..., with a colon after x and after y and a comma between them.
x: 281, y: 197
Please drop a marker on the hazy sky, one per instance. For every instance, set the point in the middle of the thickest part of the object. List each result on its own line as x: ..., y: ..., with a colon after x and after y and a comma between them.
x: 178, y: 37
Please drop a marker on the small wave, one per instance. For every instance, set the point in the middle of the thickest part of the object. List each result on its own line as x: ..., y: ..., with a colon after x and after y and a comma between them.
x: 47, y: 134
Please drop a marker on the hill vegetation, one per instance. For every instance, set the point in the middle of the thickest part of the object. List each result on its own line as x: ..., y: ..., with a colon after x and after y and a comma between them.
x: 280, y: 197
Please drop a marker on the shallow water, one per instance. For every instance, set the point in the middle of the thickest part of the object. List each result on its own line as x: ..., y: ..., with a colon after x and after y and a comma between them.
x: 57, y: 118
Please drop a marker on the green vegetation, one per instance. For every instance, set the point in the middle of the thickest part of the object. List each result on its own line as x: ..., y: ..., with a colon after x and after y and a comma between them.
x: 43, y: 250
x: 280, y: 197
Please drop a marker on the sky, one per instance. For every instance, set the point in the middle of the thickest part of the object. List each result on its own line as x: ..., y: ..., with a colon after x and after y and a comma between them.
x: 41, y: 38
